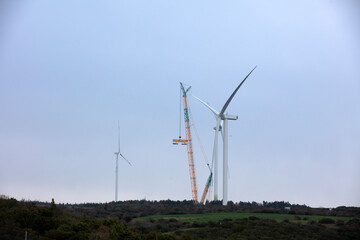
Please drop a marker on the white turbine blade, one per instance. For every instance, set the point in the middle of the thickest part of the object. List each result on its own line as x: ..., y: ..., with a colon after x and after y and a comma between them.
x: 215, y: 144
x: 233, y: 94
x: 214, y: 152
x: 218, y: 122
x: 125, y: 159
x: 208, y: 106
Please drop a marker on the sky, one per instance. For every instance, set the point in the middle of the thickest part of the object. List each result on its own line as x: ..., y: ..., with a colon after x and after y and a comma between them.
x: 70, y: 70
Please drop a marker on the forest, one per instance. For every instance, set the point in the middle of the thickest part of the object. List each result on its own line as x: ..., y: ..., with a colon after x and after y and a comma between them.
x: 166, y: 219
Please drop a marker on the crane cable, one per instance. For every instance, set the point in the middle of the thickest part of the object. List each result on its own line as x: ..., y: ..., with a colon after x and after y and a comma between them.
x: 200, y: 143
x: 204, y: 154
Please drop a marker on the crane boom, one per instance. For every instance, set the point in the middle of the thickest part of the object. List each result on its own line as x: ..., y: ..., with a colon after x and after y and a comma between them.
x: 189, y: 146
x: 207, y: 186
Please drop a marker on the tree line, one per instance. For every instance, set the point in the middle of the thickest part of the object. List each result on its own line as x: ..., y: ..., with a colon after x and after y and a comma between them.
x: 117, y: 220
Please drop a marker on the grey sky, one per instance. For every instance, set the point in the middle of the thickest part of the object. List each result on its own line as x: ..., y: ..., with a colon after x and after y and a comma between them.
x: 70, y: 69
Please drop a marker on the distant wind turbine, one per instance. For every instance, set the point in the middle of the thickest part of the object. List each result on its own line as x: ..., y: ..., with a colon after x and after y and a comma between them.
x: 117, y: 161
x: 224, y: 117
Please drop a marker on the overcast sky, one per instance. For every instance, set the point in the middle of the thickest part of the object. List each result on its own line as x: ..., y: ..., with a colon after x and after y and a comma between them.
x: 69, y: 70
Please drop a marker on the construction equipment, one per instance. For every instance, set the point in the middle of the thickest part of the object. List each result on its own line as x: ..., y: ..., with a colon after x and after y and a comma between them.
x: 177, y: 141
x: 207, y: 186
x: 209, y: 180
x: 188, y: 143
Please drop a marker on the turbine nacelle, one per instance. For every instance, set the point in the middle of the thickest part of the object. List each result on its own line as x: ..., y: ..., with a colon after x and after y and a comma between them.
x: 229, y: 117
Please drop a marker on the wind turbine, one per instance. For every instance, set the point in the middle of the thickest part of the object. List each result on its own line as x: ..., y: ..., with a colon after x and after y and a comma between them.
x: 223, y: 117
x: 117, y: 162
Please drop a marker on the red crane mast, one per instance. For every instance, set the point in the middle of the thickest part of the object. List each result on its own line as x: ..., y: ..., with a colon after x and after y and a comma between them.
x: 188, y: 142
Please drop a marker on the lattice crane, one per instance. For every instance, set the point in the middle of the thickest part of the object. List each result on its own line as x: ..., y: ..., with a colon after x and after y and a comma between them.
x: 188, y: 142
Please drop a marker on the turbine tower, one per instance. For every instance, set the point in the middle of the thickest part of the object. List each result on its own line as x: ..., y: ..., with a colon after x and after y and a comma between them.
x: 117, y: 162
x: 223, y: 117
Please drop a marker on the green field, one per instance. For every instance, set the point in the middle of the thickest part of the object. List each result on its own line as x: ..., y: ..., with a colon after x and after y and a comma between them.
x: 220, y: 216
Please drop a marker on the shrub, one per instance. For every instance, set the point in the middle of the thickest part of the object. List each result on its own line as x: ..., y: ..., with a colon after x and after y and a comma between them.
x: 186, y: 237
x: 310, y: 222
x: 326, y: 221
x: 58, y: 234
x: 339, y: 222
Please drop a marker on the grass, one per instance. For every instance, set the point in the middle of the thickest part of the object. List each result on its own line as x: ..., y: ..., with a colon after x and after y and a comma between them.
x: 220, y: 216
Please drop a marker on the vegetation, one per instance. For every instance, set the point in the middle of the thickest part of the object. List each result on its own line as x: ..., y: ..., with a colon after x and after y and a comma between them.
x: 50, y: 222
x: 257, y: 228
x: 235, y: 215
x: 175, y: 220
x: 129, y: 210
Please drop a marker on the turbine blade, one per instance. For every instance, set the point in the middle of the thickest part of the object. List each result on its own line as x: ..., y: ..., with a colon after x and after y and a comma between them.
x: 208, y: 106
x: 233, y: 94
x: 215, y: 142
x: 214, y: 152
x: 125, y: 159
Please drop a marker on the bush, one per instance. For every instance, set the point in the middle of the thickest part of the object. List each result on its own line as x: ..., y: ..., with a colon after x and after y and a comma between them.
x: 119, y: 231
x: 339, y: 222
x: 58, y: 234
x: 186, y: 237
x: 310, y: 222
x: 326, y: 221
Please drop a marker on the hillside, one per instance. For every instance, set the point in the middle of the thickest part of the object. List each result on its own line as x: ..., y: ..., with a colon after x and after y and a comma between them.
x: 174, y: 220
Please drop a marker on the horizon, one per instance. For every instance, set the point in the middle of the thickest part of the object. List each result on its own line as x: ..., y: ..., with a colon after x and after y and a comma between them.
x: 157, y: 200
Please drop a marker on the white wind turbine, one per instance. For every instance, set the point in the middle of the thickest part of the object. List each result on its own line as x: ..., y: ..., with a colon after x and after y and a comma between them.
x: 224, y: 117
x: 117, y: 161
